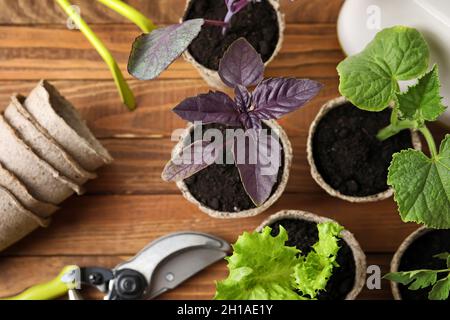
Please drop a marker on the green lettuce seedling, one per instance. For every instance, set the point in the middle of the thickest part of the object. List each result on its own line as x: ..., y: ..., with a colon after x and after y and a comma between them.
x: 370, y: 80
x: 262, y: 267
x: 420, y: 279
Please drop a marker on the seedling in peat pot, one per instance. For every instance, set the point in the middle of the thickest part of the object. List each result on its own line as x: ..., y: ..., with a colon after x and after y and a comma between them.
x: 240, y: 68
x: 439, y: 280
x: 262, y: 267
x: 370, y: 80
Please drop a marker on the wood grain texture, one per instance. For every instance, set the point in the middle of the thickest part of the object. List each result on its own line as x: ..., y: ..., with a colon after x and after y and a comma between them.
x: 99, y: 104
x: 35, y: 270
x: 117, y: 225
x: 35, y: 52
x: 21, y: 12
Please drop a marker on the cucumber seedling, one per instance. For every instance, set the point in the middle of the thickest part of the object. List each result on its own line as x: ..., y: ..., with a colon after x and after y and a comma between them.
x: 370, y: 80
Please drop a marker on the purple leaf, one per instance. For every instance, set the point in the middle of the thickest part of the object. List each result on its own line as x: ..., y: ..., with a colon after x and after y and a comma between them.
x: 241, y: 65
x: 258, y: 166
x: 250, y: 120
x: 191, y: 160
x: 152, y: 53
x: 273, y: 98
x: 233, y: 6
x: 243, y: 98
x: 213, y: 107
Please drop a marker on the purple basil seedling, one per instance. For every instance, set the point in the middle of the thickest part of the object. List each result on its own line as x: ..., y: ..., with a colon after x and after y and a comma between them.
x: 240, y: 68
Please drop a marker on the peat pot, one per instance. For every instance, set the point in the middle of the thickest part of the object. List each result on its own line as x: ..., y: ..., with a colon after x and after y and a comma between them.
x: 415, y: 253
x: 261, y: 23
x: 218, y: 190
x: 346, y: 158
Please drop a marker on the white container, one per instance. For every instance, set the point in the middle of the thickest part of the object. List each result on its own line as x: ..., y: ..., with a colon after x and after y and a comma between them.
x: 360, y: 20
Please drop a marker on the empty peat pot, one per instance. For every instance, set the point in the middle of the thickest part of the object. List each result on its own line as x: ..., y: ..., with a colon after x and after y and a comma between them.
x: 42, y: 144
x: 64, y: 124
x: 348, y: 280
x: 415, y: 253
x: 16, y: 221
x: 218, y: 191
x: 345, y: 156
x: 261, y: 23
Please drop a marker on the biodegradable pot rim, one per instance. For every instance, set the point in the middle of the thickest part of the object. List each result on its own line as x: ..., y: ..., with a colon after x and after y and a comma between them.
x: 331, y: 104
x: 395, y: 262
x: 18, y: 221
x: 16, y: 187
x: 42, y: 222
x: 358, y: 254
x: 211, y: 76
x: 288, y: 155
x: 69, y: 184
x: 70, y: 123
x: 78, y: 174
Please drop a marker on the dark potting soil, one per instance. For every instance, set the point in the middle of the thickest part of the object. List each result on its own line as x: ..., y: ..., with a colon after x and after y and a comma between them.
x: 303, y: 235
x: 348, y: 154
x: 419, y: 255
x: 258, y: 23
x: 219, y: 186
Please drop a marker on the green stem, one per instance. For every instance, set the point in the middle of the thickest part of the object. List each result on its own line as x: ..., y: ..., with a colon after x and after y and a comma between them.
x: 394, y: 128
x: 430, y: 140
x: 144, y: 23
x: 124, y: 90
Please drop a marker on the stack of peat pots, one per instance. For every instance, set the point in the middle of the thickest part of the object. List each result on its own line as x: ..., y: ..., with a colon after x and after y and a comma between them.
x: 47, y: 153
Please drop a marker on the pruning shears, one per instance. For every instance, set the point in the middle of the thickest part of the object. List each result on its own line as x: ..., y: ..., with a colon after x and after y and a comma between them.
x: 159, y: 267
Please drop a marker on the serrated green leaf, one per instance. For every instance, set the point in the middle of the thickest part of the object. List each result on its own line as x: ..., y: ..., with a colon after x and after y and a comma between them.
x: 261, y: 268
x: 312, y: 273
x: 370, y: 79
x: 423, y: 102
x: 422, y: 186
x: 440, y: 290
x: 444, y: 256
x: 417, y: 279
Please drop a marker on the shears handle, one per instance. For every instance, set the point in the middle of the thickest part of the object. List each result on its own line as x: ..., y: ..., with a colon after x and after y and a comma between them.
x: 53, y: 289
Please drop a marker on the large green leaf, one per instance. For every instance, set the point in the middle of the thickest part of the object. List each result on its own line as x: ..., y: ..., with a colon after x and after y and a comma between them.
x: 370, y: 79
x: 423, y: 102
x: 422, y: 186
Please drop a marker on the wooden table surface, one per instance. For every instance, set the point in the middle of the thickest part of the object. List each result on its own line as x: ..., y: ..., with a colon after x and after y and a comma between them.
x: 129, y: 205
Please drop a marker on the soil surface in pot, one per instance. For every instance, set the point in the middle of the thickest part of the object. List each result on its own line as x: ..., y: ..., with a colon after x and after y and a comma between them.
x: 347, y: 153
x: 303, y: 235
x: 419, y: 255
x: 219, y: 186
x: 258, y: 23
